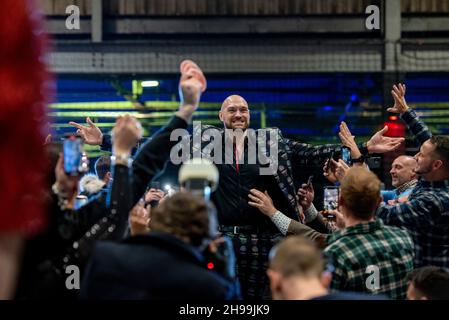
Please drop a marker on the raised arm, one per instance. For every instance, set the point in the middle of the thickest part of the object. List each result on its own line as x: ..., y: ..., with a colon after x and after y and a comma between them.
x: 378, y: 143
x: 416, y: 126
x: 152, y: 156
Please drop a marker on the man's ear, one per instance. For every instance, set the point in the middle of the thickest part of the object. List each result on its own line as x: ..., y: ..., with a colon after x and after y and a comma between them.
x: 107, y: 177
x: 220, y: 115
x: 275, y: 280
x: 325, y: 279
x: 437, y: 164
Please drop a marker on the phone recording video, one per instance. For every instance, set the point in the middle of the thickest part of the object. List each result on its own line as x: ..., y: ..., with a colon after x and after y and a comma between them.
x: 73, y: 154
x: 330, y: 198
x: 346, y: 155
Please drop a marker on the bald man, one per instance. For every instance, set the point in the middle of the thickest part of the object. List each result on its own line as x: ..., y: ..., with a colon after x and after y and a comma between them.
x: 253, y: 233
x: 403, y: 178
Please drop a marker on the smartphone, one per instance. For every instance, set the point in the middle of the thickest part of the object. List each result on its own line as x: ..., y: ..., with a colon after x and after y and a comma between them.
x: 330, y: 200
x: 309, y: 181
x: 155, y: 185
x: 329, y: 162
x: 73, y: 154
x: 346, y: 155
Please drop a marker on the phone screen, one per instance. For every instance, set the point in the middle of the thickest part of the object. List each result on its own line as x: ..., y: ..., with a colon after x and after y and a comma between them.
x: 330, y: 198
x: 346, y: 155
x: 328, y: 165
x: 72, y: 155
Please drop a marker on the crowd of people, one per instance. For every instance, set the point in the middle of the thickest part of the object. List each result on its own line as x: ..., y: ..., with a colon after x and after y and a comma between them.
x: 230, y: 232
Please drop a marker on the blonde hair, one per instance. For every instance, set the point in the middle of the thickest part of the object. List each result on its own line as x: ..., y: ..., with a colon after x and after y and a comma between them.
x: 297, y: 256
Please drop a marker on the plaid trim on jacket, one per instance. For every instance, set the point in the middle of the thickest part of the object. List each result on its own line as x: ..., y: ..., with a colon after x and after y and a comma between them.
x: 353, y: 250
x: 289, y: 151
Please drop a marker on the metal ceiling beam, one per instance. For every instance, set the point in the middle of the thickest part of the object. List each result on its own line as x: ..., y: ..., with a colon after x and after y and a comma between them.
x: 231, y: 56
x: 237, y: 25
x: 97, y: 20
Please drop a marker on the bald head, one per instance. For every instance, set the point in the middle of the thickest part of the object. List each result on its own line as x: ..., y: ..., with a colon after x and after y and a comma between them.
x: 233, y: 100
x: 234, y: 113
x: 402, y: 170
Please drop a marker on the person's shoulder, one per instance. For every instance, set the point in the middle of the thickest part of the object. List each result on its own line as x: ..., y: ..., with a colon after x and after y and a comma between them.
x: 397, y: 232
x: 350, y: 296
x: 336, y: 245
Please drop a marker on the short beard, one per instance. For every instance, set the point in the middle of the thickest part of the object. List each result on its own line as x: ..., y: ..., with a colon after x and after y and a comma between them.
x: 243, y: 129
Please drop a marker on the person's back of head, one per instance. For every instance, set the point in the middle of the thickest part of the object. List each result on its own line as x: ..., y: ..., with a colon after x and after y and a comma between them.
x: 90, y: 185
x: 297, y: 263
x: 428, y: 283
x: 184, y: 216
x: 360, y: 193
x: 103, y: 168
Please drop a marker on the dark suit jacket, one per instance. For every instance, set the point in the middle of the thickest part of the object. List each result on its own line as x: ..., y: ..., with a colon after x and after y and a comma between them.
x: 157, y: 266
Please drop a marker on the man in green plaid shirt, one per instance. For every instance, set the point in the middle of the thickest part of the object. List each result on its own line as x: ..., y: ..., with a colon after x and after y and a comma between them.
x: 367, y: 255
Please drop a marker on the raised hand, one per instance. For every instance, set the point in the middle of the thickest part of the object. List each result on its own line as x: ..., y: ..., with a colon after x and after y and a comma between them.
x: 67, y: 185
x: 341, y: 168
x: 262, y: 201
x: 380, y: 144
x: 90, y: 134
x: 329, y: 172
x: 139, y: 219
x: 306, y: 195
x: 347, y: 139
x: 191, y: 85
x: 398, y: 93
x: 154, y: 195
x: 125, y: 135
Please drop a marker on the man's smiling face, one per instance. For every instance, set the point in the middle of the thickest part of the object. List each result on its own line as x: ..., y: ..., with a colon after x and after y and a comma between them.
x: 234, y: 113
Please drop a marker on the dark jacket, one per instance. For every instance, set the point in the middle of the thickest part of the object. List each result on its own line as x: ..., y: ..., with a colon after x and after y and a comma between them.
x: 157, y: 266
x: 43, y: 273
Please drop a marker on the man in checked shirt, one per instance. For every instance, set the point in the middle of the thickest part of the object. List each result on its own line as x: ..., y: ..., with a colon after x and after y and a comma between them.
x: 426, y: 213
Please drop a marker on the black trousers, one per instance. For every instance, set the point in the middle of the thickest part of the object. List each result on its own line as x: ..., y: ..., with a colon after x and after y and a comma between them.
x: 251, y: 251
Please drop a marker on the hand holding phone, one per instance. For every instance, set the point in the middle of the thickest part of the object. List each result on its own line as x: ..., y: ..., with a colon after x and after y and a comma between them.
x: 330, y: 201
x: 75, y: 160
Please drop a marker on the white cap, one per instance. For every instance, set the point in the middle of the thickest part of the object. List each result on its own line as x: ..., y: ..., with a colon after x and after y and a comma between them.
x: 199, y: 169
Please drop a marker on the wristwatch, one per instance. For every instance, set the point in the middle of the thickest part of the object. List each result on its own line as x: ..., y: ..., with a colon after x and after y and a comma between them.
x: 360, y: 159
x: 123, y: 159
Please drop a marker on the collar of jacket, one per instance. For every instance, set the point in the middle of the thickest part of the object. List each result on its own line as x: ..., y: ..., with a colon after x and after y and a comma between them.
x: 441, y: 184
x: 408, y: 185
x: 360, y: 228
x: 170, y: 242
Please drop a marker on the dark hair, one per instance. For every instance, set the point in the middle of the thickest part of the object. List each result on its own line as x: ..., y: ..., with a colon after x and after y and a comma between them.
x: 102, y: 166
x: 432, y: 282
x: 183, y: 215
x: 441, y: 144
x: 360, y: 191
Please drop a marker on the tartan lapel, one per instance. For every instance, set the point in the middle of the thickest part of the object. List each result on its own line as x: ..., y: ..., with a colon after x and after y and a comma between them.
x: 284, y: 175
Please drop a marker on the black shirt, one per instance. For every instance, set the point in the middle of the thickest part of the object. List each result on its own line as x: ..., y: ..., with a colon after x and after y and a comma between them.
x: 231, y: 196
